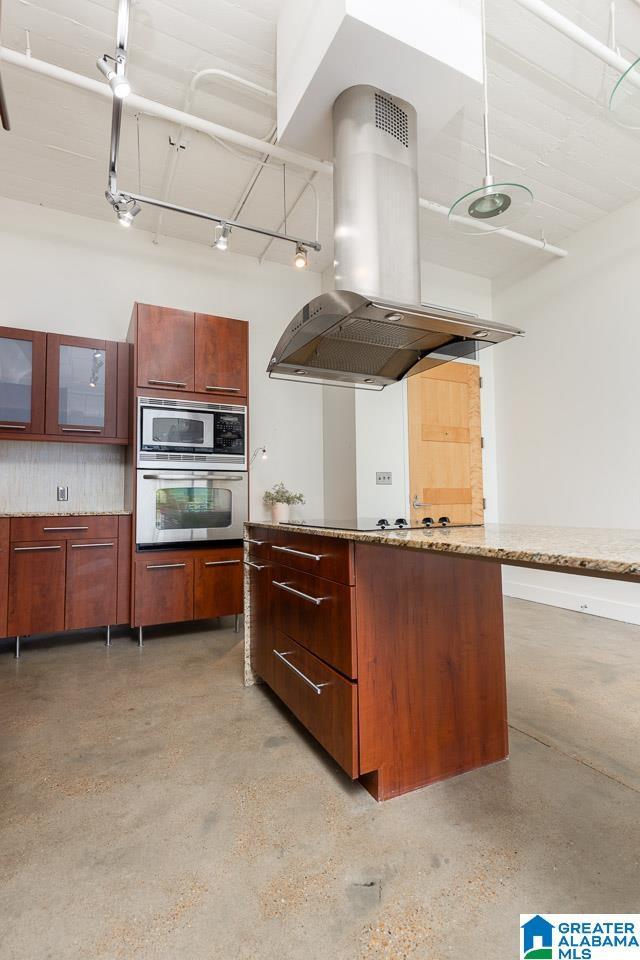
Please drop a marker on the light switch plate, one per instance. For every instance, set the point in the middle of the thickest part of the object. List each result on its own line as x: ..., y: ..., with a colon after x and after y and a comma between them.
x: 62, y: 492
x: 383, y: 477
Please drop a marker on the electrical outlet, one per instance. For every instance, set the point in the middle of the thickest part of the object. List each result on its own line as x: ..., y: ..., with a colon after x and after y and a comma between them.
x: 62, y: 492
x: 383, y: 477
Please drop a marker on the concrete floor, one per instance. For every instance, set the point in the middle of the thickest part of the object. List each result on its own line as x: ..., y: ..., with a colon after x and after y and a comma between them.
x: 154, y: 809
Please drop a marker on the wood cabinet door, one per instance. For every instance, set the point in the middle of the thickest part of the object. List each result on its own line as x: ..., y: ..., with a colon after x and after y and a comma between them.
x: 4, y: 575
x: 259, y: 575
x: 218, y: 584
x: 163, y: 590
x: 36, y: 588
x: 91, y: 583
x: 22, y: 382
x: 82, y: 387
x: 445, y: 445
x: 221, y: 356
x: 165, y: 347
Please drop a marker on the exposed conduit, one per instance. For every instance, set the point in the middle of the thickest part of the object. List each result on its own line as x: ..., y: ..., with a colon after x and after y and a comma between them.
x: 216, y: 130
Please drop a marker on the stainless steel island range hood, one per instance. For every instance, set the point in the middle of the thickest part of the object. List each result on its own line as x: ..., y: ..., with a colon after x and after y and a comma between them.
x: 373, y: 330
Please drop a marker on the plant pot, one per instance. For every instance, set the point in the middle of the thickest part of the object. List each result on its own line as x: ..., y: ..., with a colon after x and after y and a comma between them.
x: 280, y: 512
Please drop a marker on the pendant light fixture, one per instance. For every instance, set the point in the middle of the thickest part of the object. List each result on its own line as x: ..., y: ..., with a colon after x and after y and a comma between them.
x: 493, y: 205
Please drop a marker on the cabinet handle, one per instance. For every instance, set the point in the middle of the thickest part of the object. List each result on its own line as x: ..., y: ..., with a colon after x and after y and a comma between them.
x: 299, y: 593
x: 82, y: 546
x: 165, y: 566
x: 258, y: 543
x: 52, y: 529
x: 190, y: 476
x: 220, y: 563
x: 82, y: 429
x: 224, y: 389
x: 256, y: 566
x: 300, y: 553
x: 13, y: 426
x: 315, y: 686
x: 34, y: 549
x: 167, y: 383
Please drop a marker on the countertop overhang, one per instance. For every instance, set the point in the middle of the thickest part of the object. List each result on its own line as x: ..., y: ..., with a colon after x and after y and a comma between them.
x: 589, y: 551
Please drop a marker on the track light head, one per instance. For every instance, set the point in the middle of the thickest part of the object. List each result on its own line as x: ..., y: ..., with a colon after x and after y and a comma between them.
x: 301, y: 258
x: 125, y: 207
x: 118, y: 82
x: 222, y: 234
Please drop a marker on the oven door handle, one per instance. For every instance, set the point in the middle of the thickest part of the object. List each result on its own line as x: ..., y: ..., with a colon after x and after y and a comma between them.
x: 189, y: 476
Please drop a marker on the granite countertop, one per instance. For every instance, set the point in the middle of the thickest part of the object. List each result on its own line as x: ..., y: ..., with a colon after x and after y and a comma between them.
x: 588, y: 550
x: 67, y: 513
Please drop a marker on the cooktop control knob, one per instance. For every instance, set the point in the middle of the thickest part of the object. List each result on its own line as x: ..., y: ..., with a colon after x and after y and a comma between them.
x: 382, y: 523
x: 401, y: 522
x: 444, y: 521
x: 427, y: 521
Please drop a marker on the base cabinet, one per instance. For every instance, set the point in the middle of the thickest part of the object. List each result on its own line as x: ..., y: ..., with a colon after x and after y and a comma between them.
x: 260, y: 575
x: 4, y: 574
x: 36, y: 588
x: 92, y: 582
x: 217, y: 587
x: 163, y: 591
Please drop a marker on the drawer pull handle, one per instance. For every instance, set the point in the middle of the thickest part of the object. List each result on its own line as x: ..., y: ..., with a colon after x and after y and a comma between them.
x: 52, y: 529
x: 224, y: 389
x: 13, y: 426
x: 315, y: 686
x: 256, y: 566
x: 220, y: 563
x: 258, y: 543
x: 300, y: 553
x: 82, y: 429
x: 83, y: 546
x: 299, y: 593
x: 165, y: 566
x: 34, y: 549
x: 167, y: 383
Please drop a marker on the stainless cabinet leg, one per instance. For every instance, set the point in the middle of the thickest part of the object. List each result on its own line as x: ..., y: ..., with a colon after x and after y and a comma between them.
x: 140, y: 642
x: 108, y: 640
x: 17, y: 653
x: 237, y: 622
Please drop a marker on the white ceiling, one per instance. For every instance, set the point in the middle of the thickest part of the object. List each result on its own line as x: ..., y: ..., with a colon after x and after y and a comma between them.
x: 548, y: 107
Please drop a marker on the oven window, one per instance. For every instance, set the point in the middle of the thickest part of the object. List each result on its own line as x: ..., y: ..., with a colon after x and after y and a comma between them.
x: 178, y: 430
x: 228, y: 433
x: 192, y: 508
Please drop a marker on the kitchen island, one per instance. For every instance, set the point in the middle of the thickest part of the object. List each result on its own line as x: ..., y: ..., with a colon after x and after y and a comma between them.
x: 389, y: 645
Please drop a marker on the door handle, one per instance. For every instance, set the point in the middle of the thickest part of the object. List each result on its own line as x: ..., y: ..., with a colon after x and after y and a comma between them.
x: 165, y: 566
x: 13, y: 426
x: 256, y: 566
x: 53, y: 529
x: 190, y: 476
x: 299, y: 593
x: 223, y: 389
x: 167, y: 383
x: 418, y: 503
x: 258, y: 543
x: 82, y: 429
x: 300, y: 553
x: 84, y: 546
x: 283, y: 656
x: 34, y: 549
x: 220, y: 563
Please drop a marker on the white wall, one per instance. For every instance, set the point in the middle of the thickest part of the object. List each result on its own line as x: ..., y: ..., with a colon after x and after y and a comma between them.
x: 69, y: 274
x: 381, y: 418
x: 567, y: 402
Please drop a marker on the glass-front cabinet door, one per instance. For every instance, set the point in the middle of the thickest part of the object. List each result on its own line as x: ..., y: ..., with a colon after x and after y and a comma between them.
x: 81, y: 387
x: 22, y: 382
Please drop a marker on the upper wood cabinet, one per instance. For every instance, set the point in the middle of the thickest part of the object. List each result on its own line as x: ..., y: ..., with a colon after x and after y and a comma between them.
x: 220, y: 355
x: 166, y: 344
x: 82, y: 383
x: 22, y: 381
x: 194, y: 353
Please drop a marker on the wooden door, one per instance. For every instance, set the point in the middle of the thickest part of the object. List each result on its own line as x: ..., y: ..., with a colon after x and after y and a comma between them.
x: 22, y: 382
x: 82, y: 387
x: 4, y: 574
x: 445, y: 444
x: 36, y: 588
x: 165, y: 346
x: 218, y: 584
x: 92, y: 583
x: 163, y: 590
x: 221, y: 356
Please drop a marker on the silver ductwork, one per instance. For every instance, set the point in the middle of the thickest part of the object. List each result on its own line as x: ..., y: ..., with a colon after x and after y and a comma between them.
x: 373, y: 330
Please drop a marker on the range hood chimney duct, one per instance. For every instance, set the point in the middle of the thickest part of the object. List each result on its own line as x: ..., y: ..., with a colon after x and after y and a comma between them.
x: 373, y: 330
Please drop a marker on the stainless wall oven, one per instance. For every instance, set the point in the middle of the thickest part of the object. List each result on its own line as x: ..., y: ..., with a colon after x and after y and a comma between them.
x: 186, y: 507
x: 195, y: 435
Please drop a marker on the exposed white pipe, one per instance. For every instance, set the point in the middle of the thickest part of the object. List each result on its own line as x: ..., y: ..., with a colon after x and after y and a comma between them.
x: 304, y: 161
x: 505, y: 232
x: 234, y: 78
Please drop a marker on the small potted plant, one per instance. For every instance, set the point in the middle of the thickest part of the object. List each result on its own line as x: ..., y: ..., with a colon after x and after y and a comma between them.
x: 280, y: 500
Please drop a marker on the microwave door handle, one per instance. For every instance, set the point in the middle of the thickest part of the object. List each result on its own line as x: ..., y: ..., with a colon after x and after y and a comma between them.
x: 189, y: 476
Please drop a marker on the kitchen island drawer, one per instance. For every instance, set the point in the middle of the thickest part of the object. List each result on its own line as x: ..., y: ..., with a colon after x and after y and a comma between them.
x: 317, y: 613
x: 258, y: 541
x: 320, y: 698
x: 323, y: 556
x: 64, y: 528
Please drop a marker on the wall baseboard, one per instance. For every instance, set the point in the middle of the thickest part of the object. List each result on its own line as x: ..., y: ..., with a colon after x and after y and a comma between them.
x: 583, y: 603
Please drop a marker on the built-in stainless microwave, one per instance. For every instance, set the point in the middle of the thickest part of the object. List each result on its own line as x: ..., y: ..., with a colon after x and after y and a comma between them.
x: 210, y: 436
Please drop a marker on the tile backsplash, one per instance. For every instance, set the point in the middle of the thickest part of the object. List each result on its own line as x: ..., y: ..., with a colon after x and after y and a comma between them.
x: 31, y: 472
